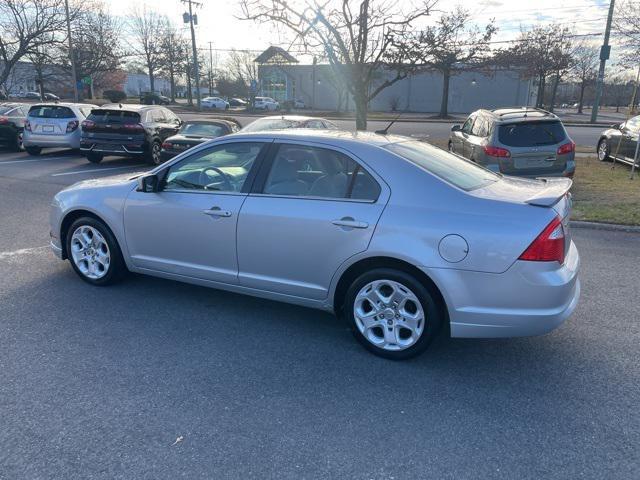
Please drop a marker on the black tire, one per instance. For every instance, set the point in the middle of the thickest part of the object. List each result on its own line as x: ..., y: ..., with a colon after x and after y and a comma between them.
x: 95, y: 157
x: 428, y: 301
x: 153, y: 157
x: 604, y: 143
x: 18, y: 146
x: 117, y: 268
x: 33, y: 150
x: 450, y: 147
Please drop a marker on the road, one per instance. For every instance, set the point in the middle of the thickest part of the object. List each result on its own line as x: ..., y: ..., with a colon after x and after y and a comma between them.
x: 100, y: 383
x: 438, y: 131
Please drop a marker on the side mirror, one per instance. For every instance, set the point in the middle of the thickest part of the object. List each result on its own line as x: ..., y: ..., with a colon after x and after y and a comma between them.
x: 148, y: 183
x: 456, y: 128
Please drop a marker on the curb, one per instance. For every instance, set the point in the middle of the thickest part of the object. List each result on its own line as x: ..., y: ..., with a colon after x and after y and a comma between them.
x: 612, y: 227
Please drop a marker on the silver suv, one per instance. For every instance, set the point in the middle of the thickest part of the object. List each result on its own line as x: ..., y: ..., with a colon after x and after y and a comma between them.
x: 521, y: 141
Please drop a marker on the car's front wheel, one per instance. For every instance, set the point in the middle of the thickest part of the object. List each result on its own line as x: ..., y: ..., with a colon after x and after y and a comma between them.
x: 391, y: 313
x: 94, y: 252
x: 604, y: 151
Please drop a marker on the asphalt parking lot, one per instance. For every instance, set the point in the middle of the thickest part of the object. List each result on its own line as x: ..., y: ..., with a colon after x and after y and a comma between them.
x: 103, y: 382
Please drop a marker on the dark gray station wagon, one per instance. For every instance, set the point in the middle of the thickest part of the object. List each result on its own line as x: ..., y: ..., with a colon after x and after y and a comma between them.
x: 522, y: 141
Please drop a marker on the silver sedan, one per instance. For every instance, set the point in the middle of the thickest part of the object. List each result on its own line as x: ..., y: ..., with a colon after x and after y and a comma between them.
x: 400, y: 238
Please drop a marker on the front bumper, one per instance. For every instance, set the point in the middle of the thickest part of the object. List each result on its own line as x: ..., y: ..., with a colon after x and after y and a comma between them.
x: 530, y: 298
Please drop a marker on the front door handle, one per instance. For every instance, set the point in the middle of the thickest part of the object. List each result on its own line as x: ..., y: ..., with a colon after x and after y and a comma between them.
x: 350, y: 222
x: 217, y: 212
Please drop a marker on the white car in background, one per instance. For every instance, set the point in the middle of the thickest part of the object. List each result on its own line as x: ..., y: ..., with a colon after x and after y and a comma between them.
x: 214, y: 102
x: 265, y: 103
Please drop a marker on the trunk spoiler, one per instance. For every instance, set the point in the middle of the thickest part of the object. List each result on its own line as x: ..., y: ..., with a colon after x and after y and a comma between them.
x: 553, y: 191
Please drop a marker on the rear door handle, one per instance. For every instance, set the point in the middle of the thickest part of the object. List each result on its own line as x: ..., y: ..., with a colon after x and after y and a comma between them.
x: 350, y: 222
x: 216, y: 212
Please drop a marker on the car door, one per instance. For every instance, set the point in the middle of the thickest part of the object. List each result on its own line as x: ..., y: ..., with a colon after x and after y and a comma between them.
x: 172, y: 122
x: 474, y: 140
x: 630, y: 138
x: 463, y: 136
x: 310, y: 210
x: 188, y: 227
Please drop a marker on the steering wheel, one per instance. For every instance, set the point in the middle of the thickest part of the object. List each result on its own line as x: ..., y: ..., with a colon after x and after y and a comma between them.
x: 225, y: 178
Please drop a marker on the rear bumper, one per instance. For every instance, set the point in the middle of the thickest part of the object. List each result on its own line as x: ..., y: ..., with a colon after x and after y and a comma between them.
x: 530, y: 298
x: 113, y: 148
x: 51, y: 141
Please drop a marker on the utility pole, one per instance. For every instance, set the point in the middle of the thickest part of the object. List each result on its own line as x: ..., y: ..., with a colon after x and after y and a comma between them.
x: 193, y: 47
x: 605, y: 51
x: 210, y: 68
x: 74, y: 77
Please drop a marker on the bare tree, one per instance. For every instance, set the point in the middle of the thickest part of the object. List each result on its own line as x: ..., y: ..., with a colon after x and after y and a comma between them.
x: 147, y: 29
x: 175, y: 49
x: 585, y: 68
x: 357, y: 42
x: 562, y: 59
x: 533, y: 52
x: 26, y: 27
x: 452, y: 46
x: 241, y: 66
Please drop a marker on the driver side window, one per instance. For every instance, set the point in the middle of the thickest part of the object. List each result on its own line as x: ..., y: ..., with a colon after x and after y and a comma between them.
x: 466, y: 128
x: 222, y: 168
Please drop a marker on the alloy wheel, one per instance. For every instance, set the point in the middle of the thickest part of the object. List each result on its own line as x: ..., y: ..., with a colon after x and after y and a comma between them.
x: 602, y: 150
x: 90, y: 252
x: 389, y: 315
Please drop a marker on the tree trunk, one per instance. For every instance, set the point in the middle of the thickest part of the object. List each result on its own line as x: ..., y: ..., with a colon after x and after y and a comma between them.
x: 189, y: 94
x: 444, y: 105
x: 362, y: 104
x: 172, y: 82
x: 581, y: 100
x: 152, y: 83
x: 556, y: 81
x: 541, y: 85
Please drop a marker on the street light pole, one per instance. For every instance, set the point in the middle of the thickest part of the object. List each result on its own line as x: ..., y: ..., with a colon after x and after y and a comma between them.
x: 74, y: 76
x: 605, y: 50
x: 195, y: 50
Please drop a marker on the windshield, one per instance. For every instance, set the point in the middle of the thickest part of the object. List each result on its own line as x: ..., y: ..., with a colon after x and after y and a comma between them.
x: 4, y: 109
x: 531, y: 134
x: 272, y: 124
x: 203, y: 130
x: 451, y: 168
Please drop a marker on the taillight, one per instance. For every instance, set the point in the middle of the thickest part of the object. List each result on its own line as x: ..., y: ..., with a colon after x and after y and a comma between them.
x: 4, y: 120
x: 496, y: 151
x: 166, y: 145
x: 88, y: 125
x: 134, y: 127
x: 549, y: 246
x: 566, y: 148
x: 72, y: 125
x: 27, y: 125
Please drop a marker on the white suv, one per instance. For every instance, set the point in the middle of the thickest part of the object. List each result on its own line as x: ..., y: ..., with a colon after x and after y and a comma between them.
x: 265, y: 103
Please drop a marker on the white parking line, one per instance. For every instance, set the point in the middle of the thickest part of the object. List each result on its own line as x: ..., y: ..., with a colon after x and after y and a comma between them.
x: 78, y: 172
x: 22, y: 251
x: 38, y: 160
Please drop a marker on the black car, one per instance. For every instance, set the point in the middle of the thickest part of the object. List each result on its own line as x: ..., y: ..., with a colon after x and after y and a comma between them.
x: 127, y: 130
x: 150, y: 98
x: 620, y: 141
x: 193, y: 133
x: 237, y: 102
x: 12, y: 118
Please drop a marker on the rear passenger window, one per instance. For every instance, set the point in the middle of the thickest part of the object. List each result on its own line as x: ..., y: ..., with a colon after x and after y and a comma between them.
x: 480, y: 127
x: 157, y: 116
x: 466, y: 128
x: 304, y: 171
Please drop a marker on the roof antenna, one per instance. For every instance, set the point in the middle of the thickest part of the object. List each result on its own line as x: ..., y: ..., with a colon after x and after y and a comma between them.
x: 385, y: 130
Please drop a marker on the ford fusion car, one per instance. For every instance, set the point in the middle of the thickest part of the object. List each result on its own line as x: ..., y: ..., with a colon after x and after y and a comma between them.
x: 399, y: 237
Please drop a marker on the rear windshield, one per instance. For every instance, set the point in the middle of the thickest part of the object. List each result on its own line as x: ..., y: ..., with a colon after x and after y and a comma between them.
x: 114, y: 116
x: 203, y: 130
x: 529, y: 134
x: 451, y: 168
x: 51, y: 111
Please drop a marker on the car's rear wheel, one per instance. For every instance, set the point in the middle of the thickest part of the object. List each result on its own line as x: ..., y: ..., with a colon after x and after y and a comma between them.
x: 94, y: 252
x: 604, y: 150
x: 94, y: 157
x: 18, y: 146
x: 391, y: 313
x: 33, y: 150
x: 153, y: 155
